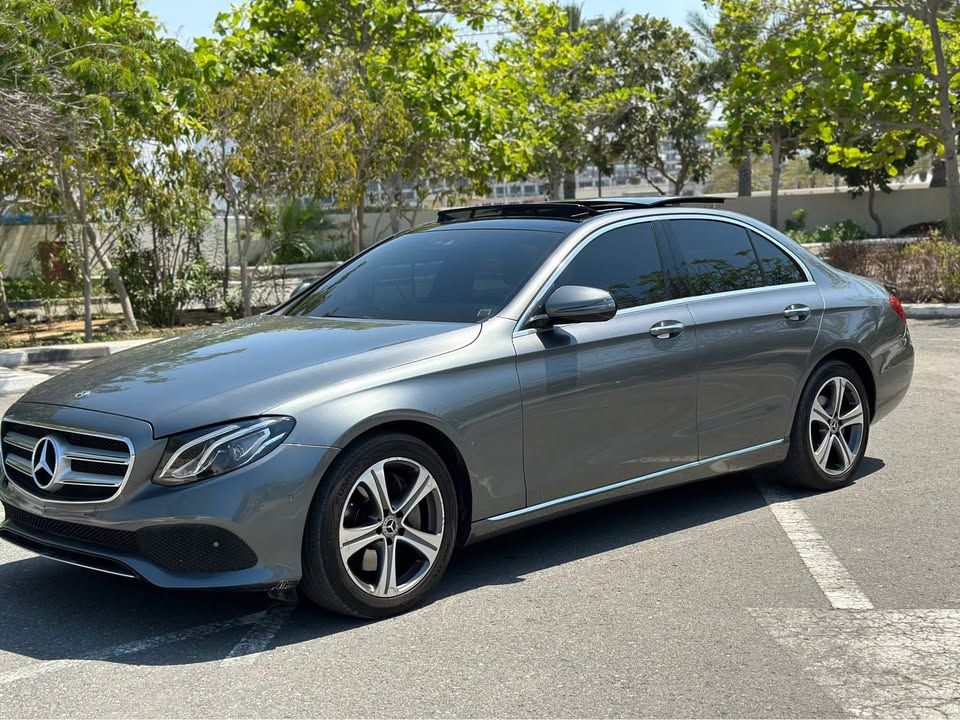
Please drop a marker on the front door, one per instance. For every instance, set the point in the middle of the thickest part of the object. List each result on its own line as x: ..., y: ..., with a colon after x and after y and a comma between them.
x: 609, y: 401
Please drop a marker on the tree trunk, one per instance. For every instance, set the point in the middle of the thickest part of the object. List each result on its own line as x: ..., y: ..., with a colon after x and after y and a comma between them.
x: 78, y: 209
x: 72, y: 209
x: 356, y: 225
x: 871, y: 196
x: 555, y: 185
x: 775, y: 179
x: 87, y: 288
x: 114, y: 277
x: 938, y: 174
x: 243, y: 245
x: 226, y: 252
x: 570, y: 186
x: 745, y: 178
x: 4, y: 308
x: 948, y: 131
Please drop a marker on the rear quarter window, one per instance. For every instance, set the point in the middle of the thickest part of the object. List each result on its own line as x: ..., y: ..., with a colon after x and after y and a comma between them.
x: 778, y: 268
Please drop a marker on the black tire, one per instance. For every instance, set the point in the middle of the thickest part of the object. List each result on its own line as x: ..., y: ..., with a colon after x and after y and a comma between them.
x: 327, y: 581
x: 801, y: 468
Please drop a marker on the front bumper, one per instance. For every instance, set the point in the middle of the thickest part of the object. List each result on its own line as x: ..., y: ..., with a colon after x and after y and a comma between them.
x: 241, y: 530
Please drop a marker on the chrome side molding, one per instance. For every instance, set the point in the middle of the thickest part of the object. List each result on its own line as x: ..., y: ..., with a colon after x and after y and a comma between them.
x: 632, y: 481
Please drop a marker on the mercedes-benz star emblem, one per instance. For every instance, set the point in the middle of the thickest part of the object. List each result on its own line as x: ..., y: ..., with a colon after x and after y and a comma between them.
x: 45, y: 461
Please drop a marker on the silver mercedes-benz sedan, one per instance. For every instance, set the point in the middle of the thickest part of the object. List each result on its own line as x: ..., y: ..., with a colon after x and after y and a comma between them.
x: 499, y: 367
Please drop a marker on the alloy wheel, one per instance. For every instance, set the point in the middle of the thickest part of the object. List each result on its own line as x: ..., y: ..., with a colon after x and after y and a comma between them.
x: 836, y: 425
x: 391, y: 527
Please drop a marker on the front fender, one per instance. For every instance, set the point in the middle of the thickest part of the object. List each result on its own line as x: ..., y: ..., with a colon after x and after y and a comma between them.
x: 472, y: 396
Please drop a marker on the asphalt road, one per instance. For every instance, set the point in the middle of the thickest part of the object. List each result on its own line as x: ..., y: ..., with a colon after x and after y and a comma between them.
x: 706, y: 600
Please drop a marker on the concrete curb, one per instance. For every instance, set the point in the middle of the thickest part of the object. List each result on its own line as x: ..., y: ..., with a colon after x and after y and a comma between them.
x: 65, y: 353
x: 929, y: 311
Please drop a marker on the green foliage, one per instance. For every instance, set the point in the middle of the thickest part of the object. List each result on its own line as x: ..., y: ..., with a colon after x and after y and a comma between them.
x: 158, y: 295
x: 301, y: 226
x: 796, y: 228
x: 663, y: 87
x: 233, y: 306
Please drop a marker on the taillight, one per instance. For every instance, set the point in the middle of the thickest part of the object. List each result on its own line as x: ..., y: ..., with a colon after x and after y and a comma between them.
x: 898, y: 308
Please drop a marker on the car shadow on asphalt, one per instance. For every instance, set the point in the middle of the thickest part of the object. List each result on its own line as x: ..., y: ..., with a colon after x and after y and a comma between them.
x: 49, y: 611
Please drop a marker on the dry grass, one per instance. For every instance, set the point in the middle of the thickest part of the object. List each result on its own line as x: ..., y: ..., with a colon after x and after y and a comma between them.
x: 70, y: 331
x: 924, y: 271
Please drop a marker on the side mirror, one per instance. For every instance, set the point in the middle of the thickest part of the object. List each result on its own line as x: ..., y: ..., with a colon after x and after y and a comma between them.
x: 576, y: 304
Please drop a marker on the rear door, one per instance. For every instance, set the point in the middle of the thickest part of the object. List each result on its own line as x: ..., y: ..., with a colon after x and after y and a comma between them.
x: 605, y: 402
x: 757, y: 314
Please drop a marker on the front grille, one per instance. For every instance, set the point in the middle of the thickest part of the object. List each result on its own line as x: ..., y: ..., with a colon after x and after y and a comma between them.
x: 178, y: 548
x: 81, y: 467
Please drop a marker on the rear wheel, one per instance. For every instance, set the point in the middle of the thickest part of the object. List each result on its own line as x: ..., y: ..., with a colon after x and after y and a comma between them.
x: 381, y: 530
x: 830, y: 430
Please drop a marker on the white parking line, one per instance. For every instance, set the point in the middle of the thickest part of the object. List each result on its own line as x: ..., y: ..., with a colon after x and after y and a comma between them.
x: 835, y: 581
x: 258, y: 638
x: 130, y: 648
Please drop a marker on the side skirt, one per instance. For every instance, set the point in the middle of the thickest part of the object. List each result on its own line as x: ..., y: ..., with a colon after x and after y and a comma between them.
x: 736, y: 461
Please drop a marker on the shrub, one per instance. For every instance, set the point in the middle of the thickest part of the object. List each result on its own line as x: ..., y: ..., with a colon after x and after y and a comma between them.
x: 159, y: 287
x: 796, y: 228
x: 924, y: 271
x: 300, y: 230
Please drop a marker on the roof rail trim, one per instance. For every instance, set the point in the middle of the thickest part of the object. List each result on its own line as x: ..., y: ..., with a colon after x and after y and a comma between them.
x: 654, y: 201
x: 551, y: 210
x: 568, y: 209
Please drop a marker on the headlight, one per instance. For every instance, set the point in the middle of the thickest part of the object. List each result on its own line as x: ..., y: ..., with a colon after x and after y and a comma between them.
x: 201, y: 454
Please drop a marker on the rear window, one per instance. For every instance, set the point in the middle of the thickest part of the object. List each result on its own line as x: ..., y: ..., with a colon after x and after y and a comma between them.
x: 716, y: 256
x: 454, y: 274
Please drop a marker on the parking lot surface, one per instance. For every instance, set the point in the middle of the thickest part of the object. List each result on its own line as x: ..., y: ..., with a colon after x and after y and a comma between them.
x: 725, y: 598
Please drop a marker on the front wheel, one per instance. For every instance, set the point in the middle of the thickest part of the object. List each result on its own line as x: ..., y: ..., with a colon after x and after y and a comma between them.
x: 381, y: 529
x: 830, y: 430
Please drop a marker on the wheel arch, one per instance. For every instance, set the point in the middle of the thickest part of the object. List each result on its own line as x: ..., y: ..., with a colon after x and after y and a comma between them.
x: 442, y: 443
x: 861, y: 365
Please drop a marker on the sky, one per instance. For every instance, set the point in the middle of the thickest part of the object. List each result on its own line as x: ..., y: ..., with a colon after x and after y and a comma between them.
x: 187, y: 19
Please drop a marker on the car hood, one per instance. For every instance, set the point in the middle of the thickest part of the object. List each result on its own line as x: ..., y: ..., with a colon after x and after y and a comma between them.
x: 244, y: 368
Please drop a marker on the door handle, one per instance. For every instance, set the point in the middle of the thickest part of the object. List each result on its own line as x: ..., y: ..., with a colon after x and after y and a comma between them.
x: 666, y: 329
x: 796, y: 312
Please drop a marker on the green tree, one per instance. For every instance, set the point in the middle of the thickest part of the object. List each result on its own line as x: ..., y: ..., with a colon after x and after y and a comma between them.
x: 101, y: 69
x: 664, y: 85
x: 861, y: 179
x: 886, y: 83
x: 549, y: 83
x: 397, y: 81
x: 274, y: 136
x: 759, y: 85
x: 720, y: 64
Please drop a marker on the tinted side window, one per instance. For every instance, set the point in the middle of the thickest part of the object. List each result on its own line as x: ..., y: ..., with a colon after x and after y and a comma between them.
x: 623, y: 261
x: 716, y: 256
x: 778, y: 267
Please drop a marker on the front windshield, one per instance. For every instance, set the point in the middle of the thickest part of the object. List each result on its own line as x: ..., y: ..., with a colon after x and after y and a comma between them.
x: 452, y: 274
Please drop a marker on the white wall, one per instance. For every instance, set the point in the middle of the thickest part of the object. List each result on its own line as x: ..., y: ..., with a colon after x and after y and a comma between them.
x: 904, y: 206
x: 824, y: 206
